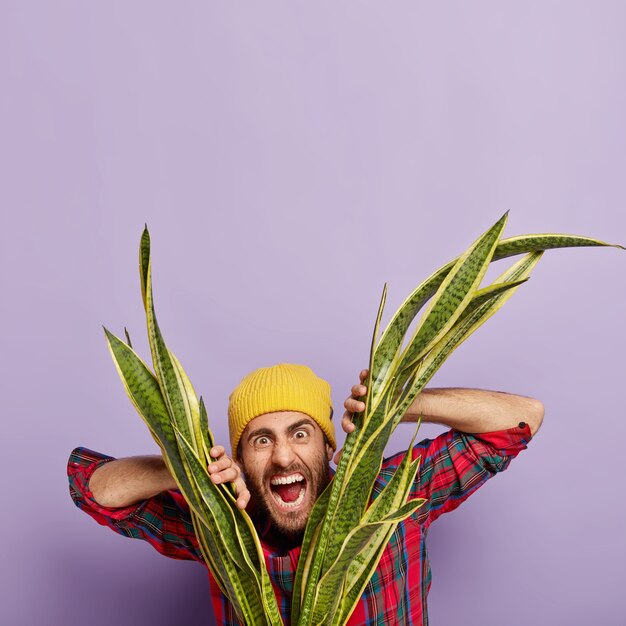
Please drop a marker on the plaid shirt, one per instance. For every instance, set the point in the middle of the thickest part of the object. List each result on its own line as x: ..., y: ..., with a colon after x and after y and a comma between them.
x: 453, y: 466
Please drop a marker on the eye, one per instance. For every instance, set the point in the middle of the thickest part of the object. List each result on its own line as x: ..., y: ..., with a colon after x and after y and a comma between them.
x: 262, y: 442
x: 301, y: 434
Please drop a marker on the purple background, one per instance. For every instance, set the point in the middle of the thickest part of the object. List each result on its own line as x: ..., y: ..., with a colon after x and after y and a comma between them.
x: 289, y: 159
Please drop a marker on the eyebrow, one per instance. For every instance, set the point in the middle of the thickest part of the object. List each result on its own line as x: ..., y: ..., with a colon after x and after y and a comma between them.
x: 268, y: 431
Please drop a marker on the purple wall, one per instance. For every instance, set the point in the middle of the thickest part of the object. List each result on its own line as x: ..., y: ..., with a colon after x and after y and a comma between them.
x: 289, y: 159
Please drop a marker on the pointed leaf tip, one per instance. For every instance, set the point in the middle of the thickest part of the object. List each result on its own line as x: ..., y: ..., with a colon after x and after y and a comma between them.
x: 130, y: 345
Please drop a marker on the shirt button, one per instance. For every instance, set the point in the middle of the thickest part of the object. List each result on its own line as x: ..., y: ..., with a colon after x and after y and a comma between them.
x: 522, y: 424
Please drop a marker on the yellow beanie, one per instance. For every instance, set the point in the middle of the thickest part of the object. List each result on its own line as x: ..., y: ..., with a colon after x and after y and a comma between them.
x: 283, y: 387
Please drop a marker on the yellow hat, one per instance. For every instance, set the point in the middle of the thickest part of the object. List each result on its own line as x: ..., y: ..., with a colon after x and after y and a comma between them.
x: 283, y: 387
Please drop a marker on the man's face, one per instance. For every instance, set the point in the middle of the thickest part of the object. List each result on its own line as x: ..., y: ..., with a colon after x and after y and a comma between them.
x: 285, y: 460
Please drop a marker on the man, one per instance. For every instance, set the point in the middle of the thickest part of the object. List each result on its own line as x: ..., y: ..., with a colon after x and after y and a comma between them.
x: 282, y: 437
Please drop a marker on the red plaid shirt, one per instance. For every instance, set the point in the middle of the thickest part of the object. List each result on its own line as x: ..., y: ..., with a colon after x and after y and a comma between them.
x: 453, y: 466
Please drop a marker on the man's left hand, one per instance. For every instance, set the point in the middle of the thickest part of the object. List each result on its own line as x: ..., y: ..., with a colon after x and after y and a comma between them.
x: 353, y: 404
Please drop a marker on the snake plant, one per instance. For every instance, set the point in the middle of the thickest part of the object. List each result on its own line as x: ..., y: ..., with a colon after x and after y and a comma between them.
x: 178, y: 422
x: 345, y: 535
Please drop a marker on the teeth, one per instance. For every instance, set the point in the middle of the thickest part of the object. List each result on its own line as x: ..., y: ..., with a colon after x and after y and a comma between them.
x: 290, y: 505
x: 287, y: 480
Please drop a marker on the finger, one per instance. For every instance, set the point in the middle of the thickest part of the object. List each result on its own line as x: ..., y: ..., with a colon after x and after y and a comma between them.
x: 358, y: 391
x: 363, y: 375
x: 346, y: 423
x: 354, y: 406
x: 230, y: 474
x: 242, y: 502
x: 221, y: 464
x: 217, y: 451
x: 337, y: 456
x: 243, y: 495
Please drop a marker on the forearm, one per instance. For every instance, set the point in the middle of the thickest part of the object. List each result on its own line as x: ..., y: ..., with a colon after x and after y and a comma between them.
x: 475, y: 410
x: 127, y: 481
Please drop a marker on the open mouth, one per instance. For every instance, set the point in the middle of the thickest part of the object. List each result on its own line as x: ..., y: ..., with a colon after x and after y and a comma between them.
x: 288, y: 491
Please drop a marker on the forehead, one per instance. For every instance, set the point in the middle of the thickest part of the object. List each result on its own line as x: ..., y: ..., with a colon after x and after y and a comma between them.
x: 278, y: 422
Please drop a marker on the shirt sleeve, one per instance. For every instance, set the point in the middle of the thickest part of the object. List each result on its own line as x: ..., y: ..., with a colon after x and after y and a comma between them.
x: 455, y: 464
x: 164, y: 521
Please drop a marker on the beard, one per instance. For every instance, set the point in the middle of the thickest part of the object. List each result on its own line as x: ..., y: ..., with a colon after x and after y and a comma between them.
x: 289, y: 526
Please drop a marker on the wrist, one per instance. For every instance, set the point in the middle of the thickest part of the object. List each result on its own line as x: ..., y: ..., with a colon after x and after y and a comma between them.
x: 419, y: 410
x: 166, y: 478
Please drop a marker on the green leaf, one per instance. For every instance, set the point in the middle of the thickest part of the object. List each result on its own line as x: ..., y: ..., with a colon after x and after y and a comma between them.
x: 486, y: 300
x: 145, y: 394
x: 222, y: 569
x: 178, y: 395
x: 343, y: 519
x: 396, y: 491
x: 358, y: 539
x: 364, y: 564
x: 362, y: 459
x: 239, y: 548
x: 358, y: 418
x: 391, y: 340
x: 144, y: 262
x: 471, y: 320
x: 454, y: 295
x: 190, y: 400
x: 168, y: 404
x: 312, y: 530
x: 522, y: 244
x: 318, y: 548
x: 206, y: 435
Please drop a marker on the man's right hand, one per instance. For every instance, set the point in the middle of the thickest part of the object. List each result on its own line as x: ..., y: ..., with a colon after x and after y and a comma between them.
x: 225, y: 470
x: 353, y: 404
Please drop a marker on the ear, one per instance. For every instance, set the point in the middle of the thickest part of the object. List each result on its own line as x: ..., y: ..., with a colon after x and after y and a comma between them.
x: 329, y: 452
x: 239, y: 464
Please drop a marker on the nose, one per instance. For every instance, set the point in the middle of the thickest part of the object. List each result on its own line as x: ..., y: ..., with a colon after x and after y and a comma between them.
x: 282, y: 454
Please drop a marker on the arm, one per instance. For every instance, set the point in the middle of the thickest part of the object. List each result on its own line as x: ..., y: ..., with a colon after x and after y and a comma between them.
x: 465, y: 410
x: 454, y: 465
x: 127, y: 481
x: 123, y: 482
x: 475, y: 410
x: 162, y: 520
x: 136, y: 497
x: 487, y: 430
